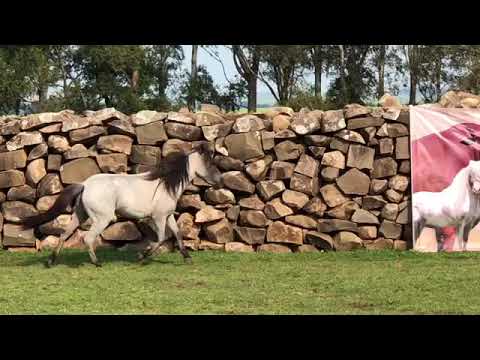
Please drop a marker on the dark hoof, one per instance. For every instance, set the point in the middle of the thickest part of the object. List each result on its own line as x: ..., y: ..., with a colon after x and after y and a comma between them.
x: 188, y: 261
x: 97, y: 264
x: 50, y: 262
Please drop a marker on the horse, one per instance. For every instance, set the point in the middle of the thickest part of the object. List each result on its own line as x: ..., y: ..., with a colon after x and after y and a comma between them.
x: 152, y: 194
x: 457, y: 205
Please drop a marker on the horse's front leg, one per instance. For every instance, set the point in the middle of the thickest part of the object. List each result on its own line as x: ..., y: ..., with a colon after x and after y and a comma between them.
x: 172, y: 224
x: 440, y: 238
x: 467, y: 227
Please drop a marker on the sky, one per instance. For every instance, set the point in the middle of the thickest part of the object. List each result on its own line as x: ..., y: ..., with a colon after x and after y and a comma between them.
x: 264, y: 95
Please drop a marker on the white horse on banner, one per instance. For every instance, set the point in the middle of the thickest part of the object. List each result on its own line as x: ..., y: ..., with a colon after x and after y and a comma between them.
x: 458, y: 205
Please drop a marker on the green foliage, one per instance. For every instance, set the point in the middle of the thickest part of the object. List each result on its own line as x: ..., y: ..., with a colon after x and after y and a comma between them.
x: 306, y: 99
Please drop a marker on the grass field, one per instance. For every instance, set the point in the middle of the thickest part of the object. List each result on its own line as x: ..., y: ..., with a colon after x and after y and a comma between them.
x: 359, y: 282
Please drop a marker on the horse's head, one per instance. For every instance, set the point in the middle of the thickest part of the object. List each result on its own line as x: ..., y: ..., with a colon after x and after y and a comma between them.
x: 474, y: 176
x: 203, y: 165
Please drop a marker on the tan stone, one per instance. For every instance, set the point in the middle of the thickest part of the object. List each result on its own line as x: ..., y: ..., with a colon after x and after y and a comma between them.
x: 35, y: 172
x: 404, y: 216
x: 344, y: 211
x: 315, y: 206
x: 58, y: 143
x: 248, y: 123
x: 121, y: 127
x: 11, y: 178
x: 281, y: 170
x: 398, y: 183
x: 57, y: 226
x: 206, y: 118
x: 390, y: 230
x: 317, y: 140
x: 113, y: 163
x: 220, y: 232
x: 10, y: 128
x: 373, y: 202
x: 183, y: 131
x: 236, y: 180
x: 252, y: 202
x: 345, y: 241
x: 36, y: 120
x: 76, y: 152
x: 86, y: 133
x: 360, y: 157
x: 16, y: 211
x: 22, y: 193
x: 334, y: 159
x: 400, y: 245
x: 275, y: 209
x: 380, y: 244
x: 362, y: 216
x: 187, y: 227
x: 146, y: 155
x: 333, y: 120
x: 340, y: 145
x: 384, y: 167
x: 50, y: 129
x: 365, y: 122
x: 214, y: 131
x: 219, y: 196
x: 274, y: 248
x: 13, y: 160
x: 393, y: 196
x: 49, y: 185
x: 294, y: 199
x: 317, y: 151
x: 151, y: 134
x: 207, y: 214
x: 305, y: 248
x: 350, y: 135
x: 257, y: 170
x: 244, y: 146
x: 308, y: 166
x: 38, y: 151
x: 329, y: 174
x: 253, y: 218
x: 288, y: 150
x: 389, y: 212
x: 190, y: 201
x: 354, y: 182
x: 378, y: 186
x: 281, y: 122
x: 147, y: 116
x: 211, y: 246
x: 233, y: 213
x: 14, y: 235
x: 54, y: 162
x: 301, y: 221
x: 77, y: 171
x: 279, y: 232
x: 367, y: 232
x: 250, y: 235
x: 116, y: 143
x: 355, y: 110
x: 307, y: 123
x: 23, y: 139
x: 268, y: 141
x: 304, y: 184
x: 238, y: 247
x: 333, y: 225
x: 75, y: 122
x: 319, y: 240
x: 388, y: 100
x: 269, y: 188
x: 332, y: 196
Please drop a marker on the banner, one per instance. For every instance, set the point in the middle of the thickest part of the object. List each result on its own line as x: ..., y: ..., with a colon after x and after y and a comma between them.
x: 445, y: 148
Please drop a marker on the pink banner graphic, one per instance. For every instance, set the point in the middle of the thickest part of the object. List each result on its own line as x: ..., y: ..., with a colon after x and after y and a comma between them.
x: 445, y: 153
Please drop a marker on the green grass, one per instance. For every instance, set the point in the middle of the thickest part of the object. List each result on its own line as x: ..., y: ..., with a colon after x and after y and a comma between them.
x: 359, y: 282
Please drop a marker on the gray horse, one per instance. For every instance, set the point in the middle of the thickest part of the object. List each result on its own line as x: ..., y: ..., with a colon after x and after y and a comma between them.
x: 134, y: 196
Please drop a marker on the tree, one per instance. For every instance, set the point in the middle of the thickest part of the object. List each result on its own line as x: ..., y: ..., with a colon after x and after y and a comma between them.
x: 161, y: 63
x: 111, y: 76
x: 193, y: 77
x: 284, y: 66
x: 247, y: 61
x: 319, y: 61
x: 202, y: 90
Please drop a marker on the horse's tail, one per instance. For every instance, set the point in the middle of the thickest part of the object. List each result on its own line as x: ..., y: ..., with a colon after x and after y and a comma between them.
x: 66, y: 198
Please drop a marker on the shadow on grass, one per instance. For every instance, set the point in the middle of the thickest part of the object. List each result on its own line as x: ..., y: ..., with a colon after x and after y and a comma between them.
x: 78, y: 258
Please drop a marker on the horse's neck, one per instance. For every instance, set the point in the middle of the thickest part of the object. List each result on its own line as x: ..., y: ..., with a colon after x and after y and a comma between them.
x: 459, y: 194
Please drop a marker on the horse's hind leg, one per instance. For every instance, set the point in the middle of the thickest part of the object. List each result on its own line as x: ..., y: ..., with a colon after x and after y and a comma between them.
x: 418, y: 226
x: 172, y: 224
x: 78, y: 217
x: 439, y: 237
x: 160, y: 223
x: 96, y: 229
x: 74, y: 223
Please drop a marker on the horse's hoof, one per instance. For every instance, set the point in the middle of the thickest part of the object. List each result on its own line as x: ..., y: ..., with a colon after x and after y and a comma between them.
x: 97, y: 264
x: 188, y: 261
x: 50, y: 262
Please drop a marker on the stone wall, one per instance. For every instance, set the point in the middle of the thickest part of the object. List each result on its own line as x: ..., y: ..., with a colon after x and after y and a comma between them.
x: 302, y: 181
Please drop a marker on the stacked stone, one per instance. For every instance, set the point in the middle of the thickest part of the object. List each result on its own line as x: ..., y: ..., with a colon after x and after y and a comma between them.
x: 293, y: 182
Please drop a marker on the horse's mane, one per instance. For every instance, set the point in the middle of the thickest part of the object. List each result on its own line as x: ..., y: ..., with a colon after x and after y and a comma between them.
x: 172, y: 171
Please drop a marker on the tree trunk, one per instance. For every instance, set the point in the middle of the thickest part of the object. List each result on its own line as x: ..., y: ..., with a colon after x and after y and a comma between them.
x: 193, y: 72
x: 42, y: 97
x: 252, y: 93
x: 343, y: 83
x: 438, y: 80
x: 135, y: 80
x: 381, y: 71
x: 413, y: 88
x: 318, y: 64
